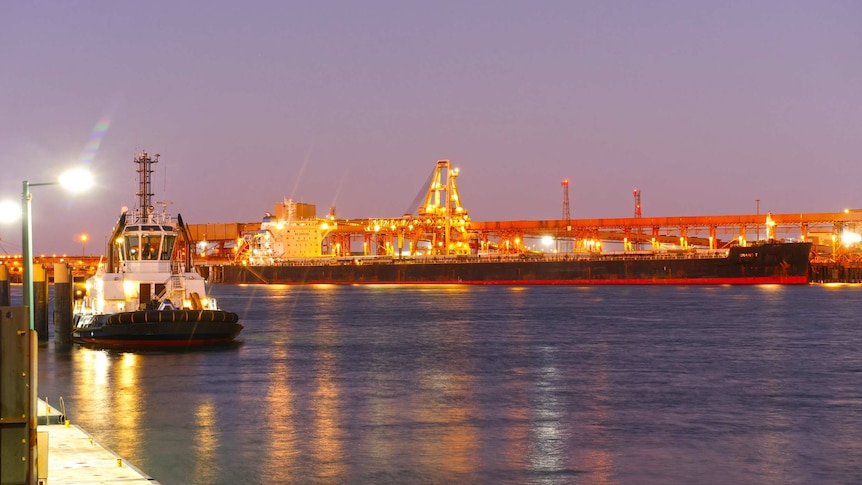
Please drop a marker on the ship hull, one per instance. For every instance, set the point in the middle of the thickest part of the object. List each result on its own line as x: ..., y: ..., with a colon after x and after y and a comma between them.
x: 159, y: 329
x: 777, y: 263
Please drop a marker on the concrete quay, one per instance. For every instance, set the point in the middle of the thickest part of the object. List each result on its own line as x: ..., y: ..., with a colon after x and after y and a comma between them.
x: 74, y: 457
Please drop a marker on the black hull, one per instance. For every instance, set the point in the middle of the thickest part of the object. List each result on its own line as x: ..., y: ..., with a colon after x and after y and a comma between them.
x: 775, y: 263
x: 167, y: 328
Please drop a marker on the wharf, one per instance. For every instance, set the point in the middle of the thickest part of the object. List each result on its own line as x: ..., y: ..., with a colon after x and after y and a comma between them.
x: 74, y: 457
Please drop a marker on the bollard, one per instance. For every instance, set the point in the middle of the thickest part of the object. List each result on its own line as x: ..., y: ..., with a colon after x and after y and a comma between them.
x: 62, y: 304
x: 4, y: 285
x: 40, y: 300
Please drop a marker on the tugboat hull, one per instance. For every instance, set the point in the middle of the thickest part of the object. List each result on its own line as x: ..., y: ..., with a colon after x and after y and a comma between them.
x: 175, y: 328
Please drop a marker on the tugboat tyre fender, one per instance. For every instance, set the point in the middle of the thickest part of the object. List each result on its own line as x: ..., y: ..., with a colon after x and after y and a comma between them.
x: 155, y: 316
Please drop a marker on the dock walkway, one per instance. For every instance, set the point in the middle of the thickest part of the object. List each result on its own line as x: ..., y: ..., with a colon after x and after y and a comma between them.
x: 74, y: 457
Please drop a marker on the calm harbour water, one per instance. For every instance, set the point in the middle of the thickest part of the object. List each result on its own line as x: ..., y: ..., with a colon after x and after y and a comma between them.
x: 490, y: 384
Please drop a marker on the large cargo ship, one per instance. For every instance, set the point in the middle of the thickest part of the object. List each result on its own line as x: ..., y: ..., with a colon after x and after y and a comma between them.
x: 765, y: 263
x: 437, y: 243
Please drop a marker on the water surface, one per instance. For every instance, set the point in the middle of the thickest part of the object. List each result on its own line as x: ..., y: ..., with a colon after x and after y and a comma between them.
x: 496, y: 384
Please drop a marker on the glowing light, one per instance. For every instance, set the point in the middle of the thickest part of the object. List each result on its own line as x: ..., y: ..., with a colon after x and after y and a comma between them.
x: 77, y: 180
x: 547, y: 240
x: 9, y: 211
x: 849, y: 238
x: 129, y: 289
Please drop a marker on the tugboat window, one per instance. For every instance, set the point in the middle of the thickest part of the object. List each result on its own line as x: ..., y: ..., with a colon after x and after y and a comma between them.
x: 168, y: 248
x: 151, y: 245
x: 132, y: 249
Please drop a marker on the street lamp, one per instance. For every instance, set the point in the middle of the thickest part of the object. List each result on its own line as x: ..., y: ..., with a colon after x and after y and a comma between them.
x: 83, y: 244
x: 76, y: 180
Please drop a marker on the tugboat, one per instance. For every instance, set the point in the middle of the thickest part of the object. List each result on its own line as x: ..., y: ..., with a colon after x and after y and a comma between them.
x: 148, y: 295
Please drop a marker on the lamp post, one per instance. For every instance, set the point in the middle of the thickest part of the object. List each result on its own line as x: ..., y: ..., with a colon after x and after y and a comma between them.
x: 27, y: 248
x: 74, y: 180
x: 83, y: 244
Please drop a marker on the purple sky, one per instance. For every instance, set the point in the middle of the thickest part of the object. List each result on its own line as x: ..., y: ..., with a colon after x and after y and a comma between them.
x: 704, y: 106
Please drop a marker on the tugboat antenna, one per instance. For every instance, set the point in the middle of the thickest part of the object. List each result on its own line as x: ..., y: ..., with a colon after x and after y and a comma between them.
x: 165, y: 204
x: 145, y: 191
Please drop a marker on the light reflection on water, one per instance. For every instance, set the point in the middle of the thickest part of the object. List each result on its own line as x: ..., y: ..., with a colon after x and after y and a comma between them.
x: 109, y: 382
x: 461, y: 384
x: 280, y: 456
x: 207, y: 466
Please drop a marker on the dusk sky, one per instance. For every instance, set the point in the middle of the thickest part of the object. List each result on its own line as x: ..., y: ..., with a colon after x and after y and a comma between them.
x: 703, y: 106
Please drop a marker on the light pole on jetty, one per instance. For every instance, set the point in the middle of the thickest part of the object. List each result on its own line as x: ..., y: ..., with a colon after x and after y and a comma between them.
x: 75, y: 180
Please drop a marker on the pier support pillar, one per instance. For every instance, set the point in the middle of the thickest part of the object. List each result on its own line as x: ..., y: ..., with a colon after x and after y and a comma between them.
x: 62, y: 303
x: 18, y: 446
x: 40, y: 300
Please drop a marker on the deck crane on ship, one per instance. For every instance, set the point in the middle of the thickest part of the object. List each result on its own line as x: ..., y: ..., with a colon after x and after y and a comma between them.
x: 443, y: 214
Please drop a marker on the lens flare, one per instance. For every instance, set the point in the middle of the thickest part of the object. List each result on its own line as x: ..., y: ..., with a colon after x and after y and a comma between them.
x: 95, y: 140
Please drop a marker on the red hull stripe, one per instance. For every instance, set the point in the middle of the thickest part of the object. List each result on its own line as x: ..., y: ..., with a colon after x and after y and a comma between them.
x: 151, y: 343
x: 784, y: 280
x: 765, y: 280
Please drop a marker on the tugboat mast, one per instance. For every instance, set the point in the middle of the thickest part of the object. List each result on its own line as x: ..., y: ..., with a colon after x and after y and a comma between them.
x: 145, y: 191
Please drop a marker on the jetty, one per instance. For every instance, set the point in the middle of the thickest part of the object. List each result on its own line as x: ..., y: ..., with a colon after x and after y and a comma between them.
x: 75, y: 457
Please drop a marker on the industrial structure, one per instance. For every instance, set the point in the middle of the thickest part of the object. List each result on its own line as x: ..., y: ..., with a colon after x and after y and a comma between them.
x: 440, y: 226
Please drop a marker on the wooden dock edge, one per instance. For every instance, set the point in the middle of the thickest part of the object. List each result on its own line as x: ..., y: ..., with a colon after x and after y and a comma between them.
x: 75, y: 457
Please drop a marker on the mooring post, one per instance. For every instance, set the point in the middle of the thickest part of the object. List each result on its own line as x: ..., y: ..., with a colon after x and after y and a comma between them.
x: 40, y: 300
x: 4, y: 285
x: 62, y: 303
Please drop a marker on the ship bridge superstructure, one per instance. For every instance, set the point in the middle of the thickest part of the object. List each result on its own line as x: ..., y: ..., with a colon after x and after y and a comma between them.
x: 292, y: 231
